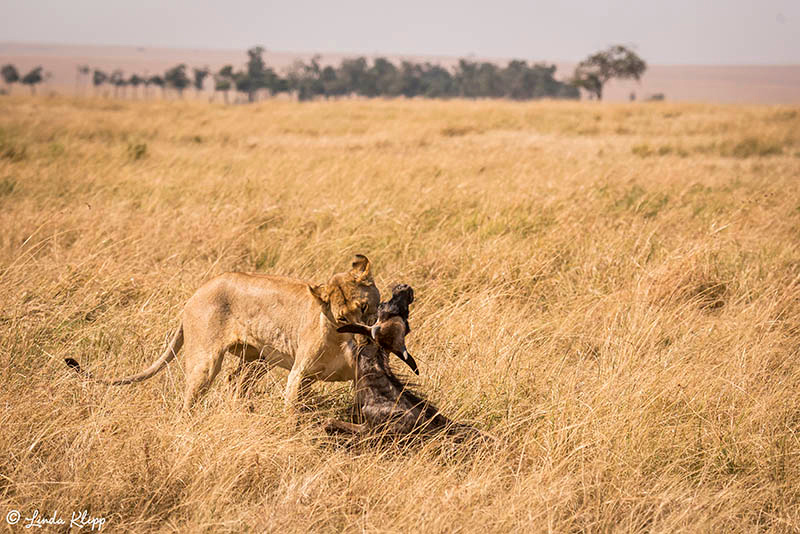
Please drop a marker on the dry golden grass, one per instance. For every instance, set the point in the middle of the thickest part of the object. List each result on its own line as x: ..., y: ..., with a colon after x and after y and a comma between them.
x: 611, y: 290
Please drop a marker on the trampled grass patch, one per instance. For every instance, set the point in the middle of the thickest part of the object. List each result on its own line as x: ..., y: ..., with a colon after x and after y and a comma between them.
x: 752, y: 146
x: 748, y: 147
x: 12, y: 150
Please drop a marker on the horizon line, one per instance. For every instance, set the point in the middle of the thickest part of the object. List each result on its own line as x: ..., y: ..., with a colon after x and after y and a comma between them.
x: 471, y: 56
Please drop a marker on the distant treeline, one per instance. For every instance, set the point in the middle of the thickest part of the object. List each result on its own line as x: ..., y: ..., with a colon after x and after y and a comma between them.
x: 517, y: 80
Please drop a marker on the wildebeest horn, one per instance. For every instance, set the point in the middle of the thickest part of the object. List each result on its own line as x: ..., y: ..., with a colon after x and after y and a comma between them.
x: 406, y: 357
x: 356, y: 328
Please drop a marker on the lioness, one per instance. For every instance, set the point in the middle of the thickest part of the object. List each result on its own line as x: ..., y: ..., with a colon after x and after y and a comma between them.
x: 286, y: 322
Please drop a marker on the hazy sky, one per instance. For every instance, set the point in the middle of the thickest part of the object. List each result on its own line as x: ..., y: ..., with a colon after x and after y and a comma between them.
x: 673, y: 31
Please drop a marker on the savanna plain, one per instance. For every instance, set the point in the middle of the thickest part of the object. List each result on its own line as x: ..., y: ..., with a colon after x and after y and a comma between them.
x: 611, y: 290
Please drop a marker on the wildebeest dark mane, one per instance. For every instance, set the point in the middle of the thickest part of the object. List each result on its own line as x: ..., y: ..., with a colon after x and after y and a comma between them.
x: 409, y: 393
x: 402, y: 296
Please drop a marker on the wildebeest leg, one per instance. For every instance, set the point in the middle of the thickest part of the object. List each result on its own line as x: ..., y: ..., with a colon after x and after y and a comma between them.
x: 334, y: 425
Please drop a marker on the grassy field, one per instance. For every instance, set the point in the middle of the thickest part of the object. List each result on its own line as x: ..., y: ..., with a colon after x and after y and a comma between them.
x: 611, y: 290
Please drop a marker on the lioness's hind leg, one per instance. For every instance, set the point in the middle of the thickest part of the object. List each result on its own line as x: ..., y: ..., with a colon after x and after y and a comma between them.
x: 199, y: 374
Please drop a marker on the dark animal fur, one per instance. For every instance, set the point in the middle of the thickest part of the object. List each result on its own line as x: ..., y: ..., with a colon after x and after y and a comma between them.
x: 383, y: 399
x: 386, y: 402
x: 397, y: 306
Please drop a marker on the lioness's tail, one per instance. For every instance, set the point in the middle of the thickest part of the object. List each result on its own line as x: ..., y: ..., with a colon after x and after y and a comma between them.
x: 169, y: 354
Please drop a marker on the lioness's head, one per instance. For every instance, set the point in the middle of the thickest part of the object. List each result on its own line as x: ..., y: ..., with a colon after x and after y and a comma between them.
x: 350, y: 297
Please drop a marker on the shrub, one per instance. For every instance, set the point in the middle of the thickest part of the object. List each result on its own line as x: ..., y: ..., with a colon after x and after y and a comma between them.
x: 7, y: 186
x: 458, y: 131
x: 753, y: 146
x: 137, y: 151
x: 12, y: 151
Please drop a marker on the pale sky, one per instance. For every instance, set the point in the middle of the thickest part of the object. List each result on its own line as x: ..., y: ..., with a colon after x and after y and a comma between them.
x: 663, y: 32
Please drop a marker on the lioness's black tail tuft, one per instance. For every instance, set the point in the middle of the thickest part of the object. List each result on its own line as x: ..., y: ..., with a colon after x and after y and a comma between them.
x: 73, y: 364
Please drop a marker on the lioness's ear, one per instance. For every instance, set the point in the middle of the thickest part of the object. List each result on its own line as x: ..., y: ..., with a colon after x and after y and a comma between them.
x: 361, y: 270
x: 321, y: 292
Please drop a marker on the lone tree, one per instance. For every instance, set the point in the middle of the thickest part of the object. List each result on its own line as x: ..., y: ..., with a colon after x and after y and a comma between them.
x: 177, y: 79
x: 596, y: 70
x: 200, y: 76
x: 306, y: 80
x: 10, y: 75
x: 135, y: 81
x: 223, y: 80
x: 156, y: 80
x: 33, y: 78
x: 119, y: 82
x: 82, y: 73
x: 258, y: 75
x: 98, y: 78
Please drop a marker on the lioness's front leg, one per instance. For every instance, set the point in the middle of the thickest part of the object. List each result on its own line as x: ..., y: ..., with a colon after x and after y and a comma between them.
x: 294, y: 384
x: 299, y: 382
x: 298, y: 398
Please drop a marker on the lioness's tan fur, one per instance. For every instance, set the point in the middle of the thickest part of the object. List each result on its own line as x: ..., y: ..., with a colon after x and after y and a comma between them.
x: 283, y: 321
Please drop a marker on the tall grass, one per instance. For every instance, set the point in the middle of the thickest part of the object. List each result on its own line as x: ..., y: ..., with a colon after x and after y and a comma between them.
x: 627, y: 326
